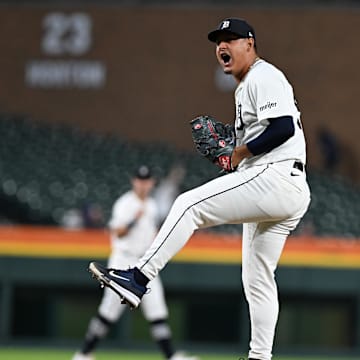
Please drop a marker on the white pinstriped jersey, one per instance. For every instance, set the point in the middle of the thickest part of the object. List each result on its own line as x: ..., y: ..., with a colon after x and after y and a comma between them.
x: 263, y: 94
x: 139, y: 238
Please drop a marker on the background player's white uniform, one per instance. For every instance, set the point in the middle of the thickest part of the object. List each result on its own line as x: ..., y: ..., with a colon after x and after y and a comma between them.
x: 266, y: 193
x: 133, y: 226
x: 128, y: 249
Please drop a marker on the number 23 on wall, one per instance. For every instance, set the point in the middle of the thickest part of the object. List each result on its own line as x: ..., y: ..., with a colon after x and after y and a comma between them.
x: 66, y: 34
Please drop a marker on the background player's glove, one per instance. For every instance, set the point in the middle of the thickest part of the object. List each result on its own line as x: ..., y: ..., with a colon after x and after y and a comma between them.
x: 214, y: 140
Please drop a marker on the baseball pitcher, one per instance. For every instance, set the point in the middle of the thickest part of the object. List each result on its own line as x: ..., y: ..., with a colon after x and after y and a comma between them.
x: 264, y: 186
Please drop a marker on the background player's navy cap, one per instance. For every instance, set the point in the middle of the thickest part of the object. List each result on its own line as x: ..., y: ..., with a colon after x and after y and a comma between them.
x: 143, y: 173
x: 238, y: 27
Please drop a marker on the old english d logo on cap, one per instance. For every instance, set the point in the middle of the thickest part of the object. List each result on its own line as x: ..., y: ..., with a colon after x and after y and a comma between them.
x: 238, y: 27
x: 225, y: 24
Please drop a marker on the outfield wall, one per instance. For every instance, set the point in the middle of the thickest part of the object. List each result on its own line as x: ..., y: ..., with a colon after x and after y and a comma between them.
x: 48, y: 296
x: 139, y: 68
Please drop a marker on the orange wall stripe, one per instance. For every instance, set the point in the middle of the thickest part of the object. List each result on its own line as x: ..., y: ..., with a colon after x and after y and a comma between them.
x: 203, y: 247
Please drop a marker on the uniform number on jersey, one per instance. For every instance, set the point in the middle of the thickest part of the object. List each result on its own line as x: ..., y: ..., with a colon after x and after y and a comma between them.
x: 240, y: 123
x: 298, y: 121
x: 299, y: 124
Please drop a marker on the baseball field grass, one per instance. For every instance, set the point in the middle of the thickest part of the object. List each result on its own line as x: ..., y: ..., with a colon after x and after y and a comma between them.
x: 61, y: 354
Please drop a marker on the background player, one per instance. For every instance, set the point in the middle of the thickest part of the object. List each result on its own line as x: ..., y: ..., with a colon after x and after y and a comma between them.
x: 133, y: 228
x: 267, y: 192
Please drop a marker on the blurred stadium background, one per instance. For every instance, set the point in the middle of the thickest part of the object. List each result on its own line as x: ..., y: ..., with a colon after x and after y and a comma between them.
x: 90, y: 89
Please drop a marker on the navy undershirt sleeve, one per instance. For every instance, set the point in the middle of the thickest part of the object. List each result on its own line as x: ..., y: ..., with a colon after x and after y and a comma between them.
x: 277, y: 132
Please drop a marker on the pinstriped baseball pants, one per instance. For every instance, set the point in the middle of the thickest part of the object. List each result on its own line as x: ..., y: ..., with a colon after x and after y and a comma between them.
x: 269, y: 200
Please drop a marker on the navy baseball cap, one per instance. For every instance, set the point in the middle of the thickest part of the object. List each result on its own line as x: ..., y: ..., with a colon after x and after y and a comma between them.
x: 238, y: 27
x: 143, y: 173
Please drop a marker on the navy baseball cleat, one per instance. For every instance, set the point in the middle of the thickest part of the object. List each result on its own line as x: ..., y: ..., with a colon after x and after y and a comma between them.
x: 121, y: 281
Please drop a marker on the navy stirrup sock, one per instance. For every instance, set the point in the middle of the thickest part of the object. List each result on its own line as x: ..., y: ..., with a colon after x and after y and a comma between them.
x: 140, y: 278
